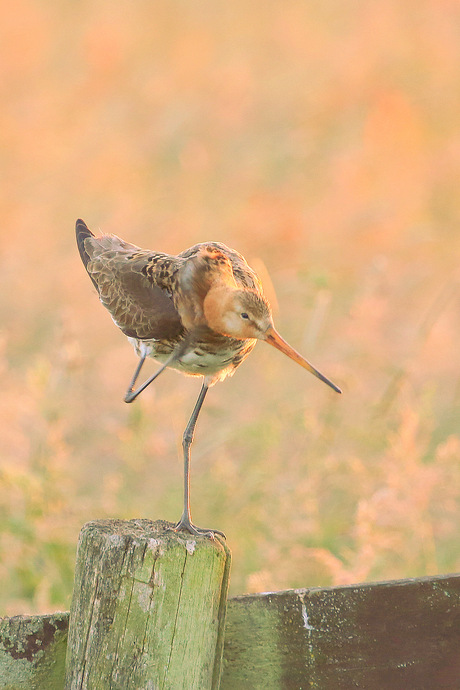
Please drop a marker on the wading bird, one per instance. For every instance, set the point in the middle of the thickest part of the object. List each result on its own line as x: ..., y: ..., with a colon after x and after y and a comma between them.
x: 200, y: 312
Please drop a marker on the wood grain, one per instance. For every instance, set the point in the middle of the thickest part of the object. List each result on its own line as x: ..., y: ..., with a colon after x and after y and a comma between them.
x: 148, y: 608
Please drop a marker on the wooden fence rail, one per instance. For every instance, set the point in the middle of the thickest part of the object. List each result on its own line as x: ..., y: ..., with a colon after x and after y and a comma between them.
x: 148, y: 612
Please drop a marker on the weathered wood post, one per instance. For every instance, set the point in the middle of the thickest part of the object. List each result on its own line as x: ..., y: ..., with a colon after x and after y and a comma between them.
x: 148, y: 608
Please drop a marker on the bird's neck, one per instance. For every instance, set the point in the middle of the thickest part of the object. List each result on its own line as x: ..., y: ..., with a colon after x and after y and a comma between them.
x: 216, y: 305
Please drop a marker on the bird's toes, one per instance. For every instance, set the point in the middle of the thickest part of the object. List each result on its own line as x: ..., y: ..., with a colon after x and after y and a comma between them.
x: 187, y: 526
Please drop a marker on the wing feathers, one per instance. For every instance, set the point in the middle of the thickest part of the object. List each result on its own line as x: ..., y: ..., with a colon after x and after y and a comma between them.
x: 138, y: 306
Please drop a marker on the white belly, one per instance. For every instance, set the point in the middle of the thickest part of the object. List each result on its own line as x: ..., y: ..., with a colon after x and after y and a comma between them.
x: 198, y: 361
x: 201, y: 362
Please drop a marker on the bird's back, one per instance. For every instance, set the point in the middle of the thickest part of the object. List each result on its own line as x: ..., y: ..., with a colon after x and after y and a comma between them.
x: 244, y: 276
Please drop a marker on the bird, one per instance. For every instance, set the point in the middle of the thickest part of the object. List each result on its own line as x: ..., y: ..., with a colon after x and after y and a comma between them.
x: 200, y: 312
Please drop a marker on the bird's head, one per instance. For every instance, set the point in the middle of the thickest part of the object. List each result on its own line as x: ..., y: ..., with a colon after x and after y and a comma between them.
x: 245, y: 314
x: 240, y: 314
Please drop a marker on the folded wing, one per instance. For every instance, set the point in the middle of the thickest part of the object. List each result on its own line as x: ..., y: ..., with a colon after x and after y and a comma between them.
x: 140, y: 307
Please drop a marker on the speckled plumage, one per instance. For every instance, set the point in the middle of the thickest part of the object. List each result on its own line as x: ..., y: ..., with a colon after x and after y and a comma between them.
x: 156, y: 299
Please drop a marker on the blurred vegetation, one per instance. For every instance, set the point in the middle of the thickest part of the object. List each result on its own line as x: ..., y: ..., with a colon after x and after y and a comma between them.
x: 321, y: 140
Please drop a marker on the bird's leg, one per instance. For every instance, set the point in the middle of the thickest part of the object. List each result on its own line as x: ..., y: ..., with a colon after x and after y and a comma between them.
x: 130, y: 390
x: 132, y: 394
x: 185, y: 523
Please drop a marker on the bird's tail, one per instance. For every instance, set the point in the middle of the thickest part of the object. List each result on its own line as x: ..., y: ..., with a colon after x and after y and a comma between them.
x: 82, y: 232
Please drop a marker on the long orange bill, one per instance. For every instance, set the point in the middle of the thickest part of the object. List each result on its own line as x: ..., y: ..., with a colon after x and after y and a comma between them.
x: 273, y: 338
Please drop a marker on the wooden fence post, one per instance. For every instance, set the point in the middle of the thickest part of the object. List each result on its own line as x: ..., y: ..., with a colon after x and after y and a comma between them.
x: 148, y: 608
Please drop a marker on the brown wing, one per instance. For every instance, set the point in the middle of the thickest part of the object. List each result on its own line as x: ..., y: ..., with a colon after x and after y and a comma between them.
x: 139, y: 307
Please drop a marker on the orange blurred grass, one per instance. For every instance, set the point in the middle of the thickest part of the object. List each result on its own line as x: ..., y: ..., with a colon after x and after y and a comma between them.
x: 320, y: 140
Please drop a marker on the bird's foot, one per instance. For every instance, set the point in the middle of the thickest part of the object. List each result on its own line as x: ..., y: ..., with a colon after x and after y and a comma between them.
x: 185, y: 525
x: 129, y: 396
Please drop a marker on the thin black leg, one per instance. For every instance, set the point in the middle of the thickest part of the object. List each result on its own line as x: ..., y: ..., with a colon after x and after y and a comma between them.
x: 134, y: 379
x: 132, y: 394
x: 185, y: 523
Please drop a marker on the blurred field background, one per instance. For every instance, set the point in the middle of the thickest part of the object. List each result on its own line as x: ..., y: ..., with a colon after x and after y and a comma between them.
x: 321, y: 139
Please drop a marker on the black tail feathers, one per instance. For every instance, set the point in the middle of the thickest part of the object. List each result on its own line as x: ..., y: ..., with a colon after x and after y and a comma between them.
x: 82, y: 233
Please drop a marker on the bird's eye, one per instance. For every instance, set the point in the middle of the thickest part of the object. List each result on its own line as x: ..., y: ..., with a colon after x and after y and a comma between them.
x: 244, y: 315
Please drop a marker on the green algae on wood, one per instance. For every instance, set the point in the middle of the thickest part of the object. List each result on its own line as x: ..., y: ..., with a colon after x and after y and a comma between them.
x: 32, y: 652
x: 148, y: 608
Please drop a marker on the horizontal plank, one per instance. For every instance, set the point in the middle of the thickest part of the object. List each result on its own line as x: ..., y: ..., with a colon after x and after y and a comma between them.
x: 32, y: 652
x: 389, y: 635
